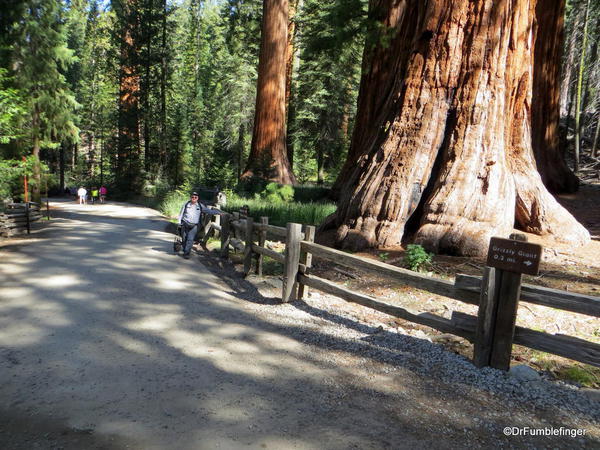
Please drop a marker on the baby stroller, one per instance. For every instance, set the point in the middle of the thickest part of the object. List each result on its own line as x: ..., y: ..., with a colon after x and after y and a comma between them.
x: 178, y: 242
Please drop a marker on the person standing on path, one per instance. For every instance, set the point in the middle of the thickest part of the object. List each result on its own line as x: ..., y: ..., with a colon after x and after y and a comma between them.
x: 82, y: 193
x: 94, y: 195
x: 103, y: 192
x: 189, y: 218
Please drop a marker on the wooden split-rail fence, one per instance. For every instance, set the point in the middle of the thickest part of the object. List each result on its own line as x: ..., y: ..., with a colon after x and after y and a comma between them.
x: 497, y: 293
x: 18, y: 217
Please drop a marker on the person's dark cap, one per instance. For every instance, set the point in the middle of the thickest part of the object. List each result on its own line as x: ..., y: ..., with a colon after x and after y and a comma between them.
x: 194, y: 193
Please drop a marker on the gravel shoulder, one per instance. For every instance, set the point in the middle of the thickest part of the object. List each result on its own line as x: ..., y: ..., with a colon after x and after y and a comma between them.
x: 108, y: 340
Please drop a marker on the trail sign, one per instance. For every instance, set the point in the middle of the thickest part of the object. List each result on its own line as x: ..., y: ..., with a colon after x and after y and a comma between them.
x: 514, y: 256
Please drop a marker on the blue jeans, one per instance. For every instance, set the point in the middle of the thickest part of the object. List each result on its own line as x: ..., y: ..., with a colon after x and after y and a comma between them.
x: 187, y: 237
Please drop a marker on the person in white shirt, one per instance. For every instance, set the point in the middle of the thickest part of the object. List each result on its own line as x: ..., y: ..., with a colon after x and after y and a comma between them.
x: 82, y: 193
x: 189, y: 218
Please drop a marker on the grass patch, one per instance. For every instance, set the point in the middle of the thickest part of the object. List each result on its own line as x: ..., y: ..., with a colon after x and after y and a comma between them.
x: 172, y: 202
x: 582, y: 375
x: 311, y: 213
x: 566, y: 370
x: 271, y: 267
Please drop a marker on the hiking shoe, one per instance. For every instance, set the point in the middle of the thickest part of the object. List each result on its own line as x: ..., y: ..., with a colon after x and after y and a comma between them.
x: 186, y: 255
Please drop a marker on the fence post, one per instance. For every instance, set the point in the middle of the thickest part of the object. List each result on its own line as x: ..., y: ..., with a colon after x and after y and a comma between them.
x: 232, y: 229
x: 306, y: 259
x: 248, y: 246
x: 486, y: 318
x: 497, y: 316
x: 291, y: 261
x: 27, y: 217
x: 217, y: 221
x: 262, y: 237
x: 206, y: 220
x: 225, y: 235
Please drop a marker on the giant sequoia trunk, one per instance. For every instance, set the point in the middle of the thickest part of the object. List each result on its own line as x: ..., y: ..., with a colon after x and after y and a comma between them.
x: 447, y: 149
x: 268, y: 157
x: 545, y: 110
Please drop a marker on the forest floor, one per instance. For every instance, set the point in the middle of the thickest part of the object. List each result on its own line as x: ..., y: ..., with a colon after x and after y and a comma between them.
x: 563, y: 267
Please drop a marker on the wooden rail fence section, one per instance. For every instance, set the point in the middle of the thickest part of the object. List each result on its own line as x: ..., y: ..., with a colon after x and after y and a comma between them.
x: 18, y: 217
x: 250, y: 239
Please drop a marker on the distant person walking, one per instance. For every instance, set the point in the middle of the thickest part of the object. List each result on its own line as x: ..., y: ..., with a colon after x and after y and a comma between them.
x: 189, y: 218
x: 94, y: 194
x: 103, y: 191
x: 82, y: 193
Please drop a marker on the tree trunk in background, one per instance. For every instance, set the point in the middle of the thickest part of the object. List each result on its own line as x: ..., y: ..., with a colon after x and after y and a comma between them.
x: 163, y: 89
x: 590, y: 90
x: 73, y: 156
x: 91, y: 157
x: 569, y: 65
x: 594, y: 151
x: 145, y: 92
x: 240, y: 149
x: 545, y: 108
x: 268, y: 156
x: 291, y: 49
x: 61, y: 167
x: 127, y: 170
x: 580, y: 87
x: 294, y: 6
x: 446, y: 151
x: 36, y: 195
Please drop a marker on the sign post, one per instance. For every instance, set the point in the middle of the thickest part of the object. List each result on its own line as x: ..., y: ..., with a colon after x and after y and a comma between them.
x: 507, y: 260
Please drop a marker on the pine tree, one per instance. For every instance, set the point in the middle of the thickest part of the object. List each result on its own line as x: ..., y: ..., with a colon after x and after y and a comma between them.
x: 331, y: 36
x: 41, y: 58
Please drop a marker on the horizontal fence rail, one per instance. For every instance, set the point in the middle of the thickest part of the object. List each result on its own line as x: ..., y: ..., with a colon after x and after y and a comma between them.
x: 431, y: 320
x: 410, y: 278
x: 537, y: 295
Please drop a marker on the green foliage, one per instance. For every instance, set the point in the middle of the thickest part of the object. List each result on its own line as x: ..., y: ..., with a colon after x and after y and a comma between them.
x: 41, y: 56
x: 276, y: 193
x: 326, y: 86
x: 581, y: 375
x: 416, y: 258
x: 10, y: 172
x: 11, y: 177
x: 306, y: 194
x: 384, y: 256
x: 171, y: 203
x: 12, y: 110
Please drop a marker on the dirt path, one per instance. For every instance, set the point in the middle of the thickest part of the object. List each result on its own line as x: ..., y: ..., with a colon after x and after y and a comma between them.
x: 108, y: 340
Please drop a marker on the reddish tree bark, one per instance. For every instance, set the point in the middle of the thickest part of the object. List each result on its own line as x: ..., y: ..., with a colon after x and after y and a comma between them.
x: 268, y: 157
x: 545, y: 111
x: 447, y: 149
x: 294, y: 5
x: 291, y: 49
